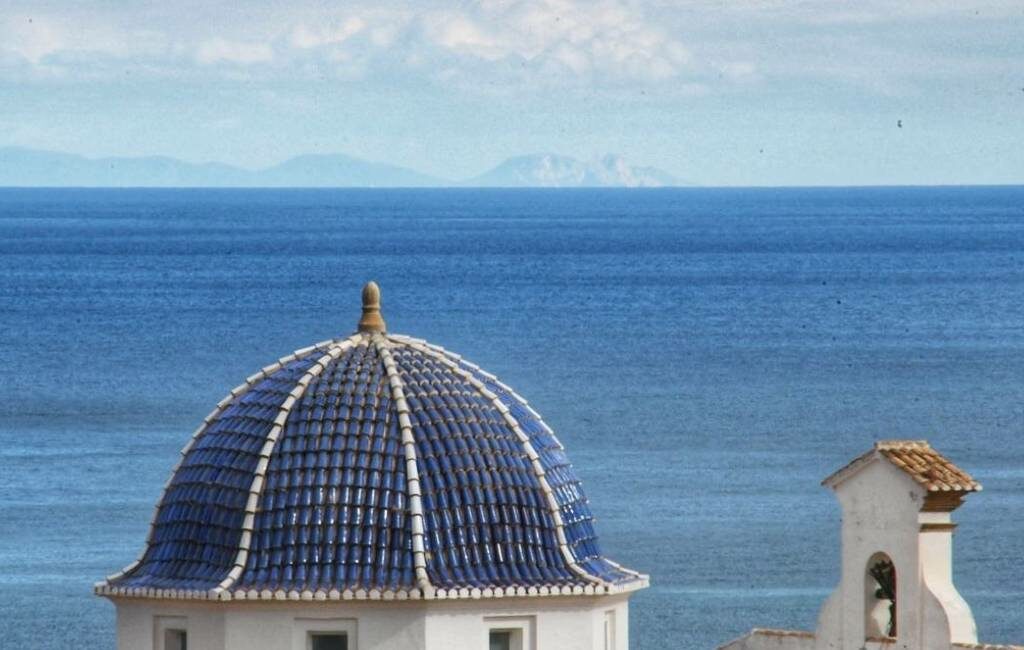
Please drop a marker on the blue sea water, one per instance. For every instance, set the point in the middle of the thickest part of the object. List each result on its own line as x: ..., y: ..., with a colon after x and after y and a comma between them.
x: 706, y: 356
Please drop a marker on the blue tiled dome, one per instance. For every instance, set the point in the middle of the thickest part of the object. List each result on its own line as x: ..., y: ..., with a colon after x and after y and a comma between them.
x: 376, y: 466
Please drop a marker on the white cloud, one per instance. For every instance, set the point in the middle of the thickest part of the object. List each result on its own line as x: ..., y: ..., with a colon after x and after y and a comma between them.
x: 460, y: 34
x: 530, y: 40
x: 485, y: 44
x: 40, y: 39
x: 30, y: 39
x: 305, y: 37
x: 220, y: 50
x: 496, y: 43
x: 580, y: 38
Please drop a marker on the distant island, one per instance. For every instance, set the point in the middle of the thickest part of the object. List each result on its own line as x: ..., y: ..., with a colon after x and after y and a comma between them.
x: 552, y: 170
x: 21, y: 167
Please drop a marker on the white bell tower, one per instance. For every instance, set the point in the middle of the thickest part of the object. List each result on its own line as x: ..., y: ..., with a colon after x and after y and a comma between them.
x: 896, y: 584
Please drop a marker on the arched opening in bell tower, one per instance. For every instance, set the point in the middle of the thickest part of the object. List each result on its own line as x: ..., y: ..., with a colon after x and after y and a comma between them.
x: 880, y: 597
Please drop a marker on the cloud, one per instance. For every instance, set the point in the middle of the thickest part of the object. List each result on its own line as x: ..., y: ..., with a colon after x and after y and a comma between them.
x: 305, y: 37
x: 563, y: 37
x: 486, y: 45
x: 525, y: 40
x: 30, y: 39
x: 460, y: 34
x: 38, y: 39
x: 220, y: 50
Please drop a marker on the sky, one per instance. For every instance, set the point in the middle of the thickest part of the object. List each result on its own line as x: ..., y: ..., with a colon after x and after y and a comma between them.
x: 725, y: 92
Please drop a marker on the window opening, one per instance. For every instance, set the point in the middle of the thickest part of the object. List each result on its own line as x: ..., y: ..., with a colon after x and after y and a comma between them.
x: 329, y: 641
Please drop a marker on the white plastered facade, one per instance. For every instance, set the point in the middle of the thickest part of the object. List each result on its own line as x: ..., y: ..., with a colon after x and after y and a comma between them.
x: 544, y: 623
x: 884, y: 516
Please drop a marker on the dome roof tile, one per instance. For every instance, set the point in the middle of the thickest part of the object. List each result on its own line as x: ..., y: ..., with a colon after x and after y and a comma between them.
x: 377, y: 466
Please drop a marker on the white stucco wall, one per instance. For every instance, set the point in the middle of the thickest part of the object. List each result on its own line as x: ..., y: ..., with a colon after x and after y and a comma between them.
x: 569, y: 623
x: 137, y: 624
x: 880, y: 508
x: 882, y: 514
x: 560, y: 623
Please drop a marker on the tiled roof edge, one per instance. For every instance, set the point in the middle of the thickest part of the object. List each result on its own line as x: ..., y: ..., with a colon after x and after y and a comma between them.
x: 439, y: 353
x: 889, y: 450
x: 463, y: 593
x: 637, y: 574
x: 235, y: 393
x: 412, y: 476
x: 256, y: 488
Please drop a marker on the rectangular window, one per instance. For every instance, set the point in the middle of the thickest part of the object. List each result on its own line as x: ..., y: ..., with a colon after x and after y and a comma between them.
x: 506, y: 639
x: 170, y: 633
x: 328, y: 641
x: 175, y: 639
x: 509, y: 633
x: 325, y: 634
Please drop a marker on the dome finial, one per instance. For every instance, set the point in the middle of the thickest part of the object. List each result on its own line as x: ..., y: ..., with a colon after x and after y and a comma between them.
x: 371, y: 321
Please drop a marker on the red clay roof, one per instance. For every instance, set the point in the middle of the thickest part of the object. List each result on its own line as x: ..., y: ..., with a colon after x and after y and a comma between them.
x: 917, y: 459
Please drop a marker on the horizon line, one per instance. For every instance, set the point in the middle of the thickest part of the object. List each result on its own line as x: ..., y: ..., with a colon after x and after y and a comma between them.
x: 430, y: 188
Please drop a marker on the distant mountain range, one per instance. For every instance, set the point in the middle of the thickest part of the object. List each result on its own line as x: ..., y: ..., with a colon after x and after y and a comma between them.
x: 21, y: 167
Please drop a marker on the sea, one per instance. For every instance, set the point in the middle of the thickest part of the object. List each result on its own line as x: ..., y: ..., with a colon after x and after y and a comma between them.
x: 707, y: 356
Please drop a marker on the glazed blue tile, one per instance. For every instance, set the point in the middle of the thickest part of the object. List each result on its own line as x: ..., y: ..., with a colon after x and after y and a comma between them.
x: 333, y: 509
x: 345, y: 392
x: 211, y: 482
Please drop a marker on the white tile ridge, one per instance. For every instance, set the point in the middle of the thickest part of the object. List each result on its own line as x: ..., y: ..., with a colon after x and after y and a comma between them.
x: 636, y: 574
x: 505, y: 387
x: 531, y: 453
x: 522, y: 400
x: 236, y: 392
x: 256, y: 488
x: 412, y: 477
x: 455, y: 593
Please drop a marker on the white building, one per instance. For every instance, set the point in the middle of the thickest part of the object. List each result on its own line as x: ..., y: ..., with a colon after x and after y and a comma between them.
x: 896, y: 584
x: 373, y: 492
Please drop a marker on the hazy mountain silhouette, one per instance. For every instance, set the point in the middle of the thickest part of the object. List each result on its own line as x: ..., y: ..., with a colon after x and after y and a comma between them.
x: 20, y: 167
x: 553, y: 170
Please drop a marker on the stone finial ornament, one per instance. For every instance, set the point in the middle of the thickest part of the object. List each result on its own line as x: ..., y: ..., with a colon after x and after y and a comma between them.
x: 372, y: 321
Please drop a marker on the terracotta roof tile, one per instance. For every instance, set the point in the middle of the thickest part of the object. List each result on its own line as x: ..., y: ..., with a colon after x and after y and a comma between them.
x: 917, y: 459
x: 926, y: 466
